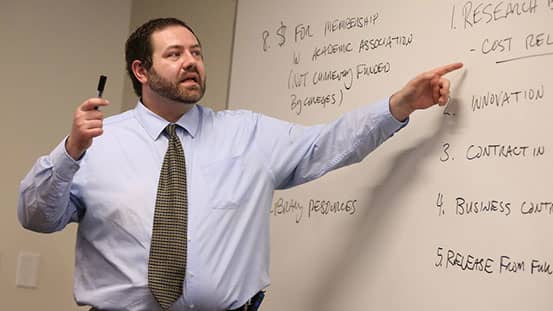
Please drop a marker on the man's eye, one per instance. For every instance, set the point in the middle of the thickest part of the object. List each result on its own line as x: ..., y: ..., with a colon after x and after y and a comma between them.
x: 174, y: 55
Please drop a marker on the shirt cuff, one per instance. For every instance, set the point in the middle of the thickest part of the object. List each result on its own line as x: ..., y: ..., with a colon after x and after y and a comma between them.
x: 390, y: 123
x: 63, y: 164
x: 401, y: 123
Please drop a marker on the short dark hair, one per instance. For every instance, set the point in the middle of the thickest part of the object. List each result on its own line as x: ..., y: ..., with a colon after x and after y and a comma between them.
x: 139, y: 45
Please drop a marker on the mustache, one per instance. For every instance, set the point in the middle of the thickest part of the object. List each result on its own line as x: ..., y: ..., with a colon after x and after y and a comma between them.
x: 191, y: 74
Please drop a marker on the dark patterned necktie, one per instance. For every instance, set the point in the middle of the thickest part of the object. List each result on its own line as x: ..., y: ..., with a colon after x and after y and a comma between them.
x: 167, y: 263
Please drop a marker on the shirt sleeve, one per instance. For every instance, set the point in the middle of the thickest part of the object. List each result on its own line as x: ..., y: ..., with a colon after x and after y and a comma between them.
x: 45, y: 201
x: 298, y: 154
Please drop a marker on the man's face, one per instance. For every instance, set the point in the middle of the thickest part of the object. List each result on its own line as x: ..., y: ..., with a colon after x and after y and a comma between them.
x: 177, y: 71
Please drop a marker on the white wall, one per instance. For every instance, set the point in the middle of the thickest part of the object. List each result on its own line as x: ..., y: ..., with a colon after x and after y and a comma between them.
x: 403, y: 229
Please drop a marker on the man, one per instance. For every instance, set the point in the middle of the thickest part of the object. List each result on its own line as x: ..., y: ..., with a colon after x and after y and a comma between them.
x: 116, y: 187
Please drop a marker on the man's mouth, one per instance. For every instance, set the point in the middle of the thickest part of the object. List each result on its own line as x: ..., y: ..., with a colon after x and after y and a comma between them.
x: 191, y: 78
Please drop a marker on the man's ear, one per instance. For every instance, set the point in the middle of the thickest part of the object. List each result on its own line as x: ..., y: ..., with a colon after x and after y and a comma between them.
x: 139, y: 71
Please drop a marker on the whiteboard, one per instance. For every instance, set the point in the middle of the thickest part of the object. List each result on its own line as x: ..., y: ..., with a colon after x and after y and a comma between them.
x: 455, y: 211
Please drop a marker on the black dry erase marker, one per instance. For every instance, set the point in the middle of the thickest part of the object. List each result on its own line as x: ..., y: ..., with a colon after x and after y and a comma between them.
x: 100, y: 88
x: 101, y: 85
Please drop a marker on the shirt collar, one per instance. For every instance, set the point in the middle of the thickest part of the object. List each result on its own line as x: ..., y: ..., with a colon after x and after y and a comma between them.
x: 154, y: 124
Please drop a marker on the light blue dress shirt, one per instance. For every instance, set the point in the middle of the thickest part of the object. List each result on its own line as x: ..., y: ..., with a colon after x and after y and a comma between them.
x: 234, y: 161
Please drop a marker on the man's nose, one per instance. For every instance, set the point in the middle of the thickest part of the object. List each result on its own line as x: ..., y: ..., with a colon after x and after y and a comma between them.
x: 189, y: 61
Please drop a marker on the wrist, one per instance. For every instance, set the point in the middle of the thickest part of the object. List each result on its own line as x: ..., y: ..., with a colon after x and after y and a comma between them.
x: 399, y: 109
x: 73, y: 151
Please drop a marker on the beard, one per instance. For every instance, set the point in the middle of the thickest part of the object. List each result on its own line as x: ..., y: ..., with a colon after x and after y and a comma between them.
x: 174, y: 90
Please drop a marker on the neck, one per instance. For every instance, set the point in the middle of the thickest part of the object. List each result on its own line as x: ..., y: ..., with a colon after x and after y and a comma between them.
x: 166, y: 108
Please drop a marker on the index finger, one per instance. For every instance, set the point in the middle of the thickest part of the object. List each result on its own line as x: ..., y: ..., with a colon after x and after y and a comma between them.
x: 92, y: 103
x: 447, y: 68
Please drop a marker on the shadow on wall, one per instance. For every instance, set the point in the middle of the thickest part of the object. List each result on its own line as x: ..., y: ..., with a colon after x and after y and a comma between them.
x: 405, y: 166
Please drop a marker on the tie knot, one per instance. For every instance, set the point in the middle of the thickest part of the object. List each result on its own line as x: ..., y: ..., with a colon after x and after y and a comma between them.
x: 171, y: 130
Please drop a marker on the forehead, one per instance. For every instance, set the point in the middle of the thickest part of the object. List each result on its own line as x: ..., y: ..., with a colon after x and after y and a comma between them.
x: 172, y: 36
